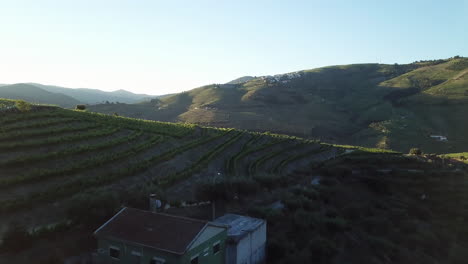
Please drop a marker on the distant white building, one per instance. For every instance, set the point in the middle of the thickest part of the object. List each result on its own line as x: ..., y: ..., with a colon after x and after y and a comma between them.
x: 439, y: 138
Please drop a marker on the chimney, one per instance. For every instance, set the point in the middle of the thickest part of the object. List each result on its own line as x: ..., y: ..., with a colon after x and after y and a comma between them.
x: 155, y: 205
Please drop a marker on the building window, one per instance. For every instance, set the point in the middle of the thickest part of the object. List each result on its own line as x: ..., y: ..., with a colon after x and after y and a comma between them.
x: 194, y: 260
x: 216, y: 247
x: 114, y: 252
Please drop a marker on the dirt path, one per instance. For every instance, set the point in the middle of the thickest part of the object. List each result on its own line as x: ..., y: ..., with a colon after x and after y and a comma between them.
x: 460, y: 75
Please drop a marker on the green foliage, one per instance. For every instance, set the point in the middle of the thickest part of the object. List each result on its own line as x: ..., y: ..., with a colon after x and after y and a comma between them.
x: 163, y: 128
x: 461, y: 156
x: 67, y: 152
x: 47, y: 131
x: 201, y: 163
x: 49, y: 141
x: 415, y: 151
x: 80, y: 107
x: 459, y: 64
x: 23, y: 106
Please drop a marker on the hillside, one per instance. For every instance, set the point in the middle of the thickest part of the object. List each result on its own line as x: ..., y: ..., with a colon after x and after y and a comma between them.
x: 95, y: 96
x: 374, y: 105
x: 71, y: 155
x: 34, y: 94
x: 64, y: 172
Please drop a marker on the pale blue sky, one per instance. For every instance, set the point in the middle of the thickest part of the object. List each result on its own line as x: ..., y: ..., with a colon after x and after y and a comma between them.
x: 159, y: 47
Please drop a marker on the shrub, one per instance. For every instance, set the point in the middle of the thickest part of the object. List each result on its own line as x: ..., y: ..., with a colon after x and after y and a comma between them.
x: 270, y: 181
x: 415, y: 151
x: 243, y: 186
x: 23, y: 106
x: 264, y: 213
x: 80, y: 107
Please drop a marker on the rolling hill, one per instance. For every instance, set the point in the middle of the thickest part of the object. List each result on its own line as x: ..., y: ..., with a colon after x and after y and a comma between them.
x: 68, y: 97
x: 374, y: 105
x: 65, y: 172
x: 94, y: 96
x: 34, y: 94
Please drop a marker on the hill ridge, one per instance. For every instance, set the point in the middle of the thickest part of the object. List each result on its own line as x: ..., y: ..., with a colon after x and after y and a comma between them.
x: 363, y: 104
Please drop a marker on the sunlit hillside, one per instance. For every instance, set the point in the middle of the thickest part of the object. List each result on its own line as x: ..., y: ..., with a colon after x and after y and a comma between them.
x: 375, y: 105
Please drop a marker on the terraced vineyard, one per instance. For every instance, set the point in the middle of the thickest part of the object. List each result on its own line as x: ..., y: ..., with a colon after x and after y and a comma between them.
x: 49, y: 155
x: 64, y: 172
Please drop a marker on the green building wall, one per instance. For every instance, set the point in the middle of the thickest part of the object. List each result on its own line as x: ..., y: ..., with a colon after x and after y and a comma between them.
x: 204, y: 252
x: 210, y: 258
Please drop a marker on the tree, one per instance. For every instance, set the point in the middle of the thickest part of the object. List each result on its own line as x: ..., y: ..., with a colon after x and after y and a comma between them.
x: 415, y: 151
x: 80, y: 107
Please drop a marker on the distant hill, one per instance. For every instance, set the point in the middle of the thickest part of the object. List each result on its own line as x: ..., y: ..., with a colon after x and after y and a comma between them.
x: 94, y: 96
x: 379, y: 105
x: 35, y: 94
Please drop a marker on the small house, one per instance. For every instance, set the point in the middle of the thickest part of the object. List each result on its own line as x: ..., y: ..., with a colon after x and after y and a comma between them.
x: 137, y: 236
x: 246, y: 243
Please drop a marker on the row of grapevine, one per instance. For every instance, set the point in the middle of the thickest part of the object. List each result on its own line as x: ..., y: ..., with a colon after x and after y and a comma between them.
x: 163, y: 128
x: 249, y: 151
x: 25, y: 116
x: 84, y: 183
x: 278, y: 169
x: 253, y: 167
x: 27, y: 134
x: 59, y: 139
x: 33, y: 158
x: 87, y: 164
x: 230, y: 166
x: 35, y: 124
x: 201, y: 163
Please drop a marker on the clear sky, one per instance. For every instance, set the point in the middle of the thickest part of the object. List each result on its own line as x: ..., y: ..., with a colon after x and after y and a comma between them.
x: 159, y: 47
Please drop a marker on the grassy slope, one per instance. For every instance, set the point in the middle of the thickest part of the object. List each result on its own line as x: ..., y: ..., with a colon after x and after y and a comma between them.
x: 390, y: 106
x: 436, y: 109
